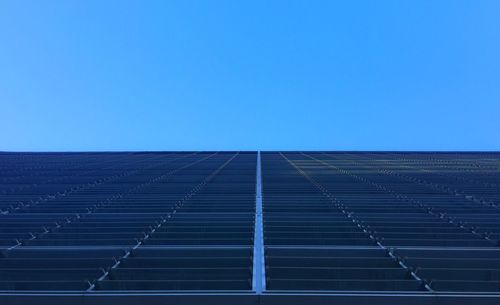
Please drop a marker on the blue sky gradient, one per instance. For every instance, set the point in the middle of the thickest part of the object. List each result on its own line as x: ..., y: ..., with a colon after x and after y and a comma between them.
x: 248, y: 75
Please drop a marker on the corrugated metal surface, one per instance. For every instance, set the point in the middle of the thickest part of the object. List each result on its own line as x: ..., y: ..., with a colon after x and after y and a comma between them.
x: 381, y: 222
x: 127, y: 221
x: 404, y: 226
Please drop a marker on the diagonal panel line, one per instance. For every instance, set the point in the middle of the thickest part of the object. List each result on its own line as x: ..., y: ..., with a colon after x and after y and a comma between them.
x: 180, y: 203
x: 353, y: 218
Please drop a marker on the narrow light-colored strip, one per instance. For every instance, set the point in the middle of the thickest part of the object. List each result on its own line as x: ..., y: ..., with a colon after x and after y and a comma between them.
x: 259, y: 268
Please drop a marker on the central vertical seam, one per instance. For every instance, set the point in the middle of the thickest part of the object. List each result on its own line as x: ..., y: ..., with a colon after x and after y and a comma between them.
x: 259, y: 268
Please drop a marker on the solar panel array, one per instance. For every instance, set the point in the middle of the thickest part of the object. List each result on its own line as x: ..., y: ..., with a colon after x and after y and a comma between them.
x: 421, y: 223
x: 123, y: 222
x: 247, y: 223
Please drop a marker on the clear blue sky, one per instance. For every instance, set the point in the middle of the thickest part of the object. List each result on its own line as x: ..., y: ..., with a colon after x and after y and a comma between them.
x: 173, y: 75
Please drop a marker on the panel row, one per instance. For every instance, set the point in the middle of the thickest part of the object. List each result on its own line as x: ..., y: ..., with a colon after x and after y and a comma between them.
x: 35, y: 269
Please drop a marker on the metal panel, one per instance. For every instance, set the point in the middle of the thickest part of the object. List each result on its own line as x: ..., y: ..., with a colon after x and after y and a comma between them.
x: 250, y: 228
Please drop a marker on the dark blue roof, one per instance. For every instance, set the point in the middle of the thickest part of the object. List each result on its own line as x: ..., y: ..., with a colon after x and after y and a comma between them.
x: 250, y: 227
